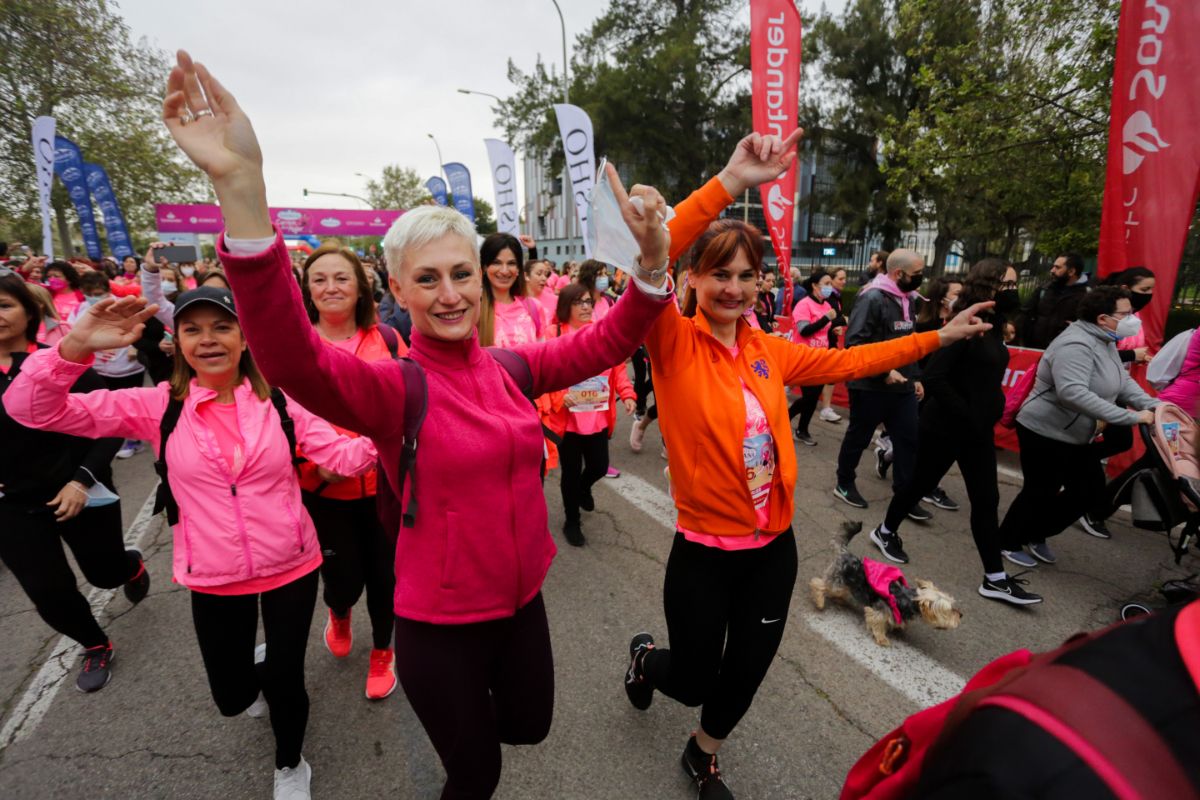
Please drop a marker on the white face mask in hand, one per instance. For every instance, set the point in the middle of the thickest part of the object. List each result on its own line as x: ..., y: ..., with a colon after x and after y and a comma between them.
x: 608, y: 236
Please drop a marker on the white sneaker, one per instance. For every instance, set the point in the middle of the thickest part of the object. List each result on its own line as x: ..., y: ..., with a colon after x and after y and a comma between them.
x: 291, y: 783
x: 260, y: 653
x: 258, y: 709
x: 637, y: 435
x: 829, y: 415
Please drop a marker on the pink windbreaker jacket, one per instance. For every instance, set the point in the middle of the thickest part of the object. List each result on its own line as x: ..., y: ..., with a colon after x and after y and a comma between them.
x: 231, y: 527
x: 481, y: 547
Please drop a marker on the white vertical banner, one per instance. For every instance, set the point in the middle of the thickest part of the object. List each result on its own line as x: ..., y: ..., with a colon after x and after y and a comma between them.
x: 575, y: 128
x: 43, y: 156
x: 504, y: 181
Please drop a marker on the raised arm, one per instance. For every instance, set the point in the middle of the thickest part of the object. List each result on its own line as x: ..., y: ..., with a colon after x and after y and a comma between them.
x: 210, y: 127
x: 152, y: 287
x: 326, y: 447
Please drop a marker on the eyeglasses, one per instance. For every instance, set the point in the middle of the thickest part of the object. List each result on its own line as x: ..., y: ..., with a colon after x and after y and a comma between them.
x: 1119, y: 314
x: 584, y: 301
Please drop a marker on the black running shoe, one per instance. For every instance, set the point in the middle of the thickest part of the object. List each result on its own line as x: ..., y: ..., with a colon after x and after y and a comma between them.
x: 881, y: 463
x: 573, y: 533
x: 890, y: 545
x: 137, y: 587
x: 1009, y: 590
x: 587, y: 502
x: 639, y: 690
x: 920, y: 513
x: 96, y: 671
x: 1095, y: 527
x: 705, y: 773
x: 941, y: 500
x: 805, y: 438
x: 849, y: 495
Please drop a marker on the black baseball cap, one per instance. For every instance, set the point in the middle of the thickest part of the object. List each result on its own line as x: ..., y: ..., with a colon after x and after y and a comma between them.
x: 205, y: 294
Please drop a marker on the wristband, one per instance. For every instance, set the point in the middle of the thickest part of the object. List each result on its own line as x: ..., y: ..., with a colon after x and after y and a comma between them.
x: 651, y: 275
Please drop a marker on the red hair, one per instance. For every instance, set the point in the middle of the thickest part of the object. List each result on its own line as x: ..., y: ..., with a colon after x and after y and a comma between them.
x: 717, y: 247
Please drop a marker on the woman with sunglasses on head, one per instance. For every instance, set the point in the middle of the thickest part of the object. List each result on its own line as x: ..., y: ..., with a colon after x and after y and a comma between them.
x: 472, y: 638
x: 242, y: 540
x: 732, y: 567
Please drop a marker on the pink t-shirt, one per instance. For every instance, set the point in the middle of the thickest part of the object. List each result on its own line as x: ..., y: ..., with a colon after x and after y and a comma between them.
x: 66, y: 302
x: 601, y: 309
x: 349, y: 345
x: 808, y: 311
x: 549, y: 301
x: 514, y: 325
x: 758, y: 454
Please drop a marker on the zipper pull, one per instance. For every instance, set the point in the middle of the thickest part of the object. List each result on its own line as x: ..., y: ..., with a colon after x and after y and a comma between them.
x: 233, y: 489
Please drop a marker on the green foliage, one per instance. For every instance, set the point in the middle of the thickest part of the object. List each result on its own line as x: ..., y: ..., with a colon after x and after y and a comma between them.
x: 74, y: 60
x: 398, y: 187
x: 660, y: 82
x: 485, y: 217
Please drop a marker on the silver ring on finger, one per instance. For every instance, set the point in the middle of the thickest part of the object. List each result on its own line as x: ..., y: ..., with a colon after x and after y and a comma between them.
x: 204, y: 112
x: 185, y: 118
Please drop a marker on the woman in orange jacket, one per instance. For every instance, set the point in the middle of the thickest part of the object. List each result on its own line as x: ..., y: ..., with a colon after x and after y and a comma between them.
x: 724, y: 416
x: 585, y: 416
x: 358, y: 552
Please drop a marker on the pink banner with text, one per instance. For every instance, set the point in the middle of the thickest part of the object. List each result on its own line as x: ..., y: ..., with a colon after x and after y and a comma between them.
x: 205, y: 218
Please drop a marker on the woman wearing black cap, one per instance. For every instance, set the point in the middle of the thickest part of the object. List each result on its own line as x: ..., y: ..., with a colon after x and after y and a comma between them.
x: 226, y: 443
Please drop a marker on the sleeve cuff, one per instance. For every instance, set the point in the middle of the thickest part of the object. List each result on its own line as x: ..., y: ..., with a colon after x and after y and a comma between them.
x: 84, y: 475
x: 245, y: 248
x: 655, y: 291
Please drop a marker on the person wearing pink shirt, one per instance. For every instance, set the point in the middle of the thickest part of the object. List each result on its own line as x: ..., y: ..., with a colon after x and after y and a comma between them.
x: 509, y: 315
x: 62, y: 279
x: 812, y: 316
x: 537, y: 280
x: 242, y: 540
x: 127, y: 283
x: 594, y: 277
x: 585, y: 417
x: 52, y: 329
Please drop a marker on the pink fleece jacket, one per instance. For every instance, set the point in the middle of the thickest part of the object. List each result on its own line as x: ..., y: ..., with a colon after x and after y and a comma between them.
x: 481, y: 547
x: 232, y: 528
x: 1184, y: 391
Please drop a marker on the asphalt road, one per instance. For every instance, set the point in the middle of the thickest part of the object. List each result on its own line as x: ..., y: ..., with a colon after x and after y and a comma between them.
x: 155, y: 733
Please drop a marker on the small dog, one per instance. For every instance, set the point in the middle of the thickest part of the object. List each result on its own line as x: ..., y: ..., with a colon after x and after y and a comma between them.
x: 847, y: 579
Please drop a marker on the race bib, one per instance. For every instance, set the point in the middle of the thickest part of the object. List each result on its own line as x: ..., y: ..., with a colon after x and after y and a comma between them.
x: 759, y: 457
x: 590, y: 395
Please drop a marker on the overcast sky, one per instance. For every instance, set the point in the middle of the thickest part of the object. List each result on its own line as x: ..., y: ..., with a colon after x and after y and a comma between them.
x: 335, y: 88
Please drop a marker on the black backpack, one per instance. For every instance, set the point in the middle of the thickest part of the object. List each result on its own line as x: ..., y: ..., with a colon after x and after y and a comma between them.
x: 163, y: 498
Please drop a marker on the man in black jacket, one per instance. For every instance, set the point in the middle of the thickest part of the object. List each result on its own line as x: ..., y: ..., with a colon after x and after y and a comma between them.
x: 883, y: 311
x: 1053, y: 307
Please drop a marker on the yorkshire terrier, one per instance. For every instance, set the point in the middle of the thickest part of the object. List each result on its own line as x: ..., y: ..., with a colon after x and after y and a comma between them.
x: 852, y: 578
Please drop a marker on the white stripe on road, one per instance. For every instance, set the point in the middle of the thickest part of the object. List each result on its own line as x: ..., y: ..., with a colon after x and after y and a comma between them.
x: 902, y: 667
x: 36, y: 701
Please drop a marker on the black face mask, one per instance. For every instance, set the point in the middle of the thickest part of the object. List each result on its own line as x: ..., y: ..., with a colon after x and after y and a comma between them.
x: 909, y: 283
x: 1140, y: 301
x: 1007, y: 301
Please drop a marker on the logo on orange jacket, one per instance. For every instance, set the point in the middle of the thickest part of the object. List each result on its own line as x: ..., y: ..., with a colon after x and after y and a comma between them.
x: 761, y: 369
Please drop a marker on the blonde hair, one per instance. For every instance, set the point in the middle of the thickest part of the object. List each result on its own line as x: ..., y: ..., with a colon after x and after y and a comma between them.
x: 42, y: 296
x: 419, y: 227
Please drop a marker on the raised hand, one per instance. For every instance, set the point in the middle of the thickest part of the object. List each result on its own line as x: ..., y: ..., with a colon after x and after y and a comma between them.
x: 213, y: 131
x: 151, y: 263
x: 108, y: 325
x: 644, y: 219
x: 966, y: 324
x: 758, y: 159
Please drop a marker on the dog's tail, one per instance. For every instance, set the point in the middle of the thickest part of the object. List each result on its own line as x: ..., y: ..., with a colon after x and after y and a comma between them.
x: 841, y: 542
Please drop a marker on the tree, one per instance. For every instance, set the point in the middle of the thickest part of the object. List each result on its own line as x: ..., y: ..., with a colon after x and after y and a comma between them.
x: 398, y: 187
x: 74, y: 60
x: 485, y: 218
x: 665, y: 84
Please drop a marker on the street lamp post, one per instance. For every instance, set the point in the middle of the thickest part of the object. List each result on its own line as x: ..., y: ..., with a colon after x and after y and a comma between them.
x: 307, y: 192
x: 441, y: 168
x: 485, y: 94
x: 563, y: 23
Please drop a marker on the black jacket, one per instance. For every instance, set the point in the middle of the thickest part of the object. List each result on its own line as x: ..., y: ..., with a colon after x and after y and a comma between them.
x: 35, y: 465
x: 878, y: 317
x: 1051, y: 309
x: 998, y: 755
x: 964, y: 393
x: 390, y: 313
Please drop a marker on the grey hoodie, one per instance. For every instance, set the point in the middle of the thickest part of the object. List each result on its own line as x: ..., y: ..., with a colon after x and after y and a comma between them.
x: 1080, y: 380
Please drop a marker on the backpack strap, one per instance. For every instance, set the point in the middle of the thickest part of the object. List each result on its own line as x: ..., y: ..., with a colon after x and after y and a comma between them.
x: 415, y: 386
x: 286, y: 422
x: 1100, y: 728
x: 390, y: 338
x: 163, y: 499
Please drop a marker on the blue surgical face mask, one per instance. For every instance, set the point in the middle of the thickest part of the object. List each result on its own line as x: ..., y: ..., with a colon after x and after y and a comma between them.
x: 91, y: 301
x: 602, y: 283
x: 826, y: 291
x: 169, y: 286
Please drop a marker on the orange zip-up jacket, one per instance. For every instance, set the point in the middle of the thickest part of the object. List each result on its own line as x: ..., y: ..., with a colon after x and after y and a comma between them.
x: 373, y: 347
x: 703, y: 415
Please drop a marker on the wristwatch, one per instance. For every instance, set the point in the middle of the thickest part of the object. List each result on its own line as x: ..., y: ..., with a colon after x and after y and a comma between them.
x: 651, y: 276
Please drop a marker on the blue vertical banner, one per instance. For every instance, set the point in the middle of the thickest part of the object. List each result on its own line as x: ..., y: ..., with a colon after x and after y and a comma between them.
x: 114, y: 222
x: 437, y: 188
x: 460, y: 188
x: 68, y: 164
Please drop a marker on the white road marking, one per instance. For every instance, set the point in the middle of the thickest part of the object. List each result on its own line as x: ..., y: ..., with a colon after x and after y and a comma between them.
x: 63, y: 659
x: 903, y: 667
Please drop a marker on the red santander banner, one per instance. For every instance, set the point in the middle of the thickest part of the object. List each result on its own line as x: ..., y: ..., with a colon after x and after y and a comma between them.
x: 1153, y: 147
x: 775, y: 87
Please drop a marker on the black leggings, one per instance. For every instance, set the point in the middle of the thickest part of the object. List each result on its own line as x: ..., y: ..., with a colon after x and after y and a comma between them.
x: 725, y: 615
x: 226, y: 627
x: 642, y: 383
x: 31, y: 545
x: 476, y: 686
x: 1041, y: 510
x: 584, y: 460
x: 805, y: 406
x: 358, y: 554
x: 938, y: 450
